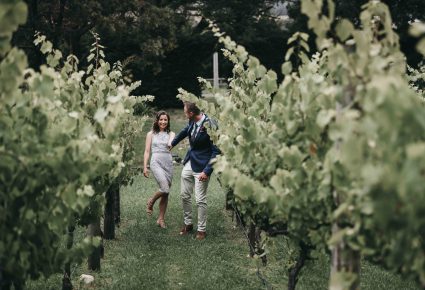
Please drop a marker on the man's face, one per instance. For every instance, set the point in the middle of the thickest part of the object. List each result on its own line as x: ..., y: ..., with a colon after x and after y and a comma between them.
x: 188, y: 114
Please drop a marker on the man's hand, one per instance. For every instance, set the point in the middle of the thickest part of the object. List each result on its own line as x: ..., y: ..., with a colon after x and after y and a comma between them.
x: 146, y: 172
x: 170, y: 147
x: 203, y: 176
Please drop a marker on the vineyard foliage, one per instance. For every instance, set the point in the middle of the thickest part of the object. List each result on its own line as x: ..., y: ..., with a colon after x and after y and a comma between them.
x: 63, y: 131
x: 340, y: 141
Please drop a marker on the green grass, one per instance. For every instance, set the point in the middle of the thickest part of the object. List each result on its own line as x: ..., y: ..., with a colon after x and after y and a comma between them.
x: 144, y: 256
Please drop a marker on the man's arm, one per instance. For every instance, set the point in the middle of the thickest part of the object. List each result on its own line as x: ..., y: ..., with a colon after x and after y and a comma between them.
x: 215, y: 151
x: 183, y: 134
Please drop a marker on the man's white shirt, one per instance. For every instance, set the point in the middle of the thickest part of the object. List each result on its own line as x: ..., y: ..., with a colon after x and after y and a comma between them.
x: 198, y: 126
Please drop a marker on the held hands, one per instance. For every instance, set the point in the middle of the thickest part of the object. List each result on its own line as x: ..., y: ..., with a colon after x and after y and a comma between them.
x: 203, y: 176
x: 146, y: 172
x: 170, y: 146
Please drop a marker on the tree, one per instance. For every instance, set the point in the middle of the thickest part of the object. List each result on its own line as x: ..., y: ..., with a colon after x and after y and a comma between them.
x: 403, y: 12
x: 249, y: 22
x: 136, y: 31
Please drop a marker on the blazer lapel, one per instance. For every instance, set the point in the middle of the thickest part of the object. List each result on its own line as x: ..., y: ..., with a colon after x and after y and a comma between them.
x: 192, y: 124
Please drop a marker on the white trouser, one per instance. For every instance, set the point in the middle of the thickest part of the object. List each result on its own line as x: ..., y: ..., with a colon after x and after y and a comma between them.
x: 190, y: 181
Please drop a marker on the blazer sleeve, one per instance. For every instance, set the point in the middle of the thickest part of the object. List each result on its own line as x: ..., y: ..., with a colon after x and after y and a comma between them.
x: 183, y: 134
x: 215, y: 151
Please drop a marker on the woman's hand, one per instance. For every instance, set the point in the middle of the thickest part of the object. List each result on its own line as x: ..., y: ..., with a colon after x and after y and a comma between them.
x: 146, y: 172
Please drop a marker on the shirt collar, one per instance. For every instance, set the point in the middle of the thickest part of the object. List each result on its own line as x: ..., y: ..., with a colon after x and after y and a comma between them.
x: 199, y: 123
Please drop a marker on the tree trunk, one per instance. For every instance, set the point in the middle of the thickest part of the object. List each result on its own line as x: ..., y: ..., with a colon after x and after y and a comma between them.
x: 74, y: 40
x: 58, y: 25
x: 9, y: 281
x: 19, y: 285
x: 251, y: 237
x: 345, y: 262
x: 35, y: 57
x: 258, y: 247
x: 117, y: 207
x: 4, y: 282
x: 239, y: 221
x: 229, y: 199
x: 345, y: 266
x: 236, y: 214
x: 33, y: 20
x: 254, y: 236
x: 93, y: 230
x: 294, y: 271
x: 66, y: 280
x: 109, y: 220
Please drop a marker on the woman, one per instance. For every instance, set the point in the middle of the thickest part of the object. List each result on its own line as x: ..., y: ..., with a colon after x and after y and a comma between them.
x: 159, y: 140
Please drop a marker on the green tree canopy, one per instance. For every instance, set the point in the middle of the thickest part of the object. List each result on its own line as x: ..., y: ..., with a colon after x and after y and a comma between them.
x: 403, y: 12
x: 134, y: 30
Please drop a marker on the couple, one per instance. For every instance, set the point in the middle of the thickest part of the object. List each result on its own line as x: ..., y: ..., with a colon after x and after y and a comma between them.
x: 197, y: 166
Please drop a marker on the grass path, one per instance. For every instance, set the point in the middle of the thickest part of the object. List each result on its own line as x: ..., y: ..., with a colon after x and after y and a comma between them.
x: 144, y: 256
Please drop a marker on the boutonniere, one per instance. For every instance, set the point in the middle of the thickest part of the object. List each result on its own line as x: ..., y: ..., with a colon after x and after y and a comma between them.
x: 202, y: 129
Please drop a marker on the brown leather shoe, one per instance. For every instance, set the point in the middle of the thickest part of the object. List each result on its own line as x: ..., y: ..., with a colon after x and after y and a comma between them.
x: 186, y: 229
x: 201, y: 235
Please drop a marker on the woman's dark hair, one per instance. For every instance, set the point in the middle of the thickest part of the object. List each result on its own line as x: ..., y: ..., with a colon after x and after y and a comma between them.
x: 191, y: 107
x: 155, y: 126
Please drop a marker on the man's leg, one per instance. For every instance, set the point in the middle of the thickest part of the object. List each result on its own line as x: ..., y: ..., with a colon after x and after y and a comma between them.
x: 201, y: 202
x: 187, y: 182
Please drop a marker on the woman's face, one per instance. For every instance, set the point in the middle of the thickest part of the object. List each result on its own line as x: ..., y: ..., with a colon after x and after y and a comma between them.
x: 163, y: 122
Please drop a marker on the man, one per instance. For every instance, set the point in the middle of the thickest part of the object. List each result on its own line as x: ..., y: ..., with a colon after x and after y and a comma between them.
x: 197, y: 167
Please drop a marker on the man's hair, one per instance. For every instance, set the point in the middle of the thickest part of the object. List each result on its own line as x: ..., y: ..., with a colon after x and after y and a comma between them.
x: 191, y: 107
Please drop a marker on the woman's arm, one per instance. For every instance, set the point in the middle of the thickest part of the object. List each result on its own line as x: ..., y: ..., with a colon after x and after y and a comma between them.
x: 172, y: 135
x: 147, y: 154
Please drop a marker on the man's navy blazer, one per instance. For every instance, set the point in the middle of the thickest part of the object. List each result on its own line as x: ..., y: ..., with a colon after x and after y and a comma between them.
x: 201, y: 150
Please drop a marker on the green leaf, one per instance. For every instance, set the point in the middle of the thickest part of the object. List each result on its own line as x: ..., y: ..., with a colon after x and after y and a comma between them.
x: 417, y: 29
x: 416, y: 150
x: 286, y: 68
x: 289, y: 53
x: 324, y: 117
x: 344, y: 29
x: 12, y: 15
x: 46, y: 47
x: 293, y: 38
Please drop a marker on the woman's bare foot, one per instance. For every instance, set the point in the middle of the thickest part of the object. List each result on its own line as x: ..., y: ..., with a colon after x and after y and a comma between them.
x: 149, y: 206
x: 161, y: 223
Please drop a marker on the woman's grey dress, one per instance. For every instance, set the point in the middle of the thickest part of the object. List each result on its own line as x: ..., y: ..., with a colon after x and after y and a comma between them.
x: 161, y: 161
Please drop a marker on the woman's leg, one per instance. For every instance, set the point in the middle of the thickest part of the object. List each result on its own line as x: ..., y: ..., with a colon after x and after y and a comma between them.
x: 151, y: 202
x: 162, y: 209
